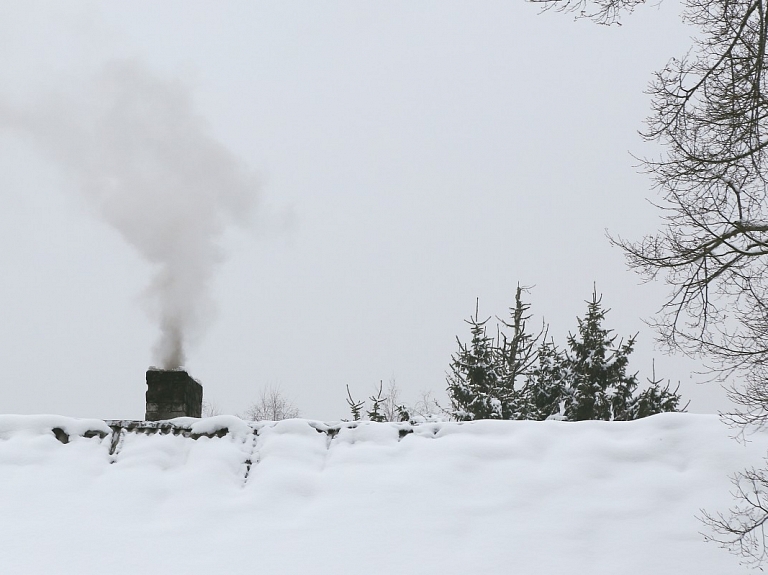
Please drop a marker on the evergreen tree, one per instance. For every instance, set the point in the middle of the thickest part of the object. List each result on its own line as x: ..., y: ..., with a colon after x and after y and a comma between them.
x: 656, y: 398
x: 355, y: 406
x: 518, y: 354
x: 588, y: 380
x: 377, y: 401
x: 596, y: 370
x: 474, y: 382
x: 546, y: 387
x: 384, y: 405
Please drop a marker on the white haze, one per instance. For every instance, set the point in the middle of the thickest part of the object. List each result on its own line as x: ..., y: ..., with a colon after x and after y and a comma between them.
x: 137, y: 150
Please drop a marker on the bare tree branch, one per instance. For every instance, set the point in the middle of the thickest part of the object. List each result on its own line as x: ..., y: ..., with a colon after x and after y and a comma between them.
x: 271, y: 405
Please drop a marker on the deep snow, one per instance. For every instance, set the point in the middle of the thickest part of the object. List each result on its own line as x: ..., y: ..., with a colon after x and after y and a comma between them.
x: 472, y: 498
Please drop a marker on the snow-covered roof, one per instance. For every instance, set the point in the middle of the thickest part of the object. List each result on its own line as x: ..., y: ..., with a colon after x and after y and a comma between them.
x: 220, y: 495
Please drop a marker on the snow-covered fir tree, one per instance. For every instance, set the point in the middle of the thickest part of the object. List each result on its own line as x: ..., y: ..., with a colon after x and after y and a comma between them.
x: 546, y: 387
x: 586, y: 380
x: 475, y: 383
x: 656, y: 398
x: 596, y: 369
x: 518, y: 355
x: 384, y: 405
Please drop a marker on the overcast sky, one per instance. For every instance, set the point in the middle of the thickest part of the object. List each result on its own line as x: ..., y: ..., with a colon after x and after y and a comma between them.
x: 410, y: 157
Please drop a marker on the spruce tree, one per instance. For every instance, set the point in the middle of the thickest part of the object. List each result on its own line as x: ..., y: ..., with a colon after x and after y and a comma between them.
x: 546, y: 386
x: 656, y: 398
x: 588, y: 380
x: 518, y: 354
x: 377, y: 401
x: 355, y: 406
x: 596, y: 370
x: 474, y: 382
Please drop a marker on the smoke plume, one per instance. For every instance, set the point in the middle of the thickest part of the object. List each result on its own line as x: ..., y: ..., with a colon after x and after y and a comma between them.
x: 138, y: 151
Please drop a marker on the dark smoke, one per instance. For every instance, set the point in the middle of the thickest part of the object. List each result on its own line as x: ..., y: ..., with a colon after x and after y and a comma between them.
x: 152, y: 169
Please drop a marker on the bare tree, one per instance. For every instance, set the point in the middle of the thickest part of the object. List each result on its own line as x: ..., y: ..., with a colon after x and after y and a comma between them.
x: 429, y: 408
x: 210, y: 408
x: 708, y: 112
x: 709, y: 108
x: 742, y: 530
x: 605, y: 12
x: 271, y: 405
x: 392, y: 407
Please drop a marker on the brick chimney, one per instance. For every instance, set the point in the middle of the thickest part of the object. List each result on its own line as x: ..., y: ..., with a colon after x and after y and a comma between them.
x: 172, y: 393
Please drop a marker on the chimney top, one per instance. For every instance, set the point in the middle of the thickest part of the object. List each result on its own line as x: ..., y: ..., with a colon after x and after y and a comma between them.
x: 172, y: 393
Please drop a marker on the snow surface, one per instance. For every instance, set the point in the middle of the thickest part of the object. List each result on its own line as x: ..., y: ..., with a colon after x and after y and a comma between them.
x: 470, y: 498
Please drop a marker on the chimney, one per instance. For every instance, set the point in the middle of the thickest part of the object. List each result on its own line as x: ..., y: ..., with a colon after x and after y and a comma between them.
x: 172, y: 393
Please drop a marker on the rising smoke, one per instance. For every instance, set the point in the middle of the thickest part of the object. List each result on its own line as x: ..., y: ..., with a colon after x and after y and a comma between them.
x: 138, y: 151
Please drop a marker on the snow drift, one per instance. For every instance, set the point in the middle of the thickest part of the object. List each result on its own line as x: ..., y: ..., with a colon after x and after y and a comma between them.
x: 221, y: 496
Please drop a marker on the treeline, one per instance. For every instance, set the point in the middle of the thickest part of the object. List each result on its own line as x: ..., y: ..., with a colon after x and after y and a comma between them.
x: 516, y: 374
x: 519, y: 374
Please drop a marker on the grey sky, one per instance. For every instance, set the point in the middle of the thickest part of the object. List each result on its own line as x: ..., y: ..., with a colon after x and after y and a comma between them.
x: 412, y: 157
